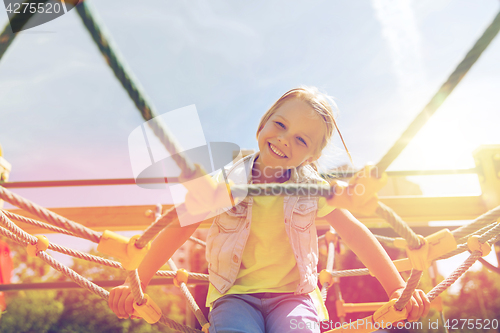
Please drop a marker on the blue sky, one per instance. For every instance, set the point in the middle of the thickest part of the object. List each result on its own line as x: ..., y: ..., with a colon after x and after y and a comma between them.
x: 63, y: 115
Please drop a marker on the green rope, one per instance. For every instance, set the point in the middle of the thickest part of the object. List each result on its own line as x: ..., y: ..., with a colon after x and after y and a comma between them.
x: 124, y: 75
x: 19, y: 20
x: 443, y: 92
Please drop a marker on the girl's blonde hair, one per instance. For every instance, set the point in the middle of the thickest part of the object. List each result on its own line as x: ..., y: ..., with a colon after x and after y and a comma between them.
x: 321, y: 103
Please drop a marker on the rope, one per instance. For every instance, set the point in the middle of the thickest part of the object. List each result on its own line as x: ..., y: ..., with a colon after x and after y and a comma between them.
x: 351, y: 272
x: 131, y: 85
x: 453, y: 276
x: 18, y: 20
x: 75, y: 277
x: 384, y: 239
x: 192, y: 303
x: 198, y: 241
x: 84, y: 256
x: 330, y: 260
x: 27, y: 220
x: 305, y: 190
x: 86, y: 284
x: 135, y: 286
x: 488, y: 217
x: 441, y: 95
x: 399, y: 226
x: 155, y: 228
x: 13, y: 237
x: 411, y: 285
x: 479, y: 232
x: 463, y: 247
x: 20, y: 233
x: 192, y: 276
x: 49, y: 216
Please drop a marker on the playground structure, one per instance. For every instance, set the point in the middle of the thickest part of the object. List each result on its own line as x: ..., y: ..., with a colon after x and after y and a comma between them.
x: 475, y: 237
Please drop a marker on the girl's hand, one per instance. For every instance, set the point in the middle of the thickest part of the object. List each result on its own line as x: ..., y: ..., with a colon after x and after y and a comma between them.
x: 121, y: 302
x: 418, y: 306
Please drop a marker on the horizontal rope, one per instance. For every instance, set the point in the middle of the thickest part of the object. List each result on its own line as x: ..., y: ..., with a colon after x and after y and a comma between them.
x: 487, y: 218
x: 20, y: 233
x: 49, y: 216
x: 36, y: 223
x: 305, y: 190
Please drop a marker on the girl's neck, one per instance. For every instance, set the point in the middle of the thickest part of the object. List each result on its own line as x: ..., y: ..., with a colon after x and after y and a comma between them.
x: 264, y: 174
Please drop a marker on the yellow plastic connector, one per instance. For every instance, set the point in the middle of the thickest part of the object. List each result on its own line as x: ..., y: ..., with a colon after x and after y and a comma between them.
x: 419, y: 257
x: 205, y: 328
x: 331, y: 237
x: 41, y: 245
x: 181, y: 277
x: 388, y: 314
x: 326, y: 277
x: 339, y: 306
x: 148, y: 311
x: 435, y: 246
x: 474, y: 244
x: 123, y: 248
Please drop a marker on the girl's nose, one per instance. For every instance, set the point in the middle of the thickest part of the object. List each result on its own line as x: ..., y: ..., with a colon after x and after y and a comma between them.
x: 283, y: 140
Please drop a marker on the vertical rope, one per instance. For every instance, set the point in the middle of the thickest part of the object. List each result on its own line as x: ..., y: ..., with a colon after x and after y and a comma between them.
x: 135, y: 287
x: 444, y: 91
x: 411, y: 285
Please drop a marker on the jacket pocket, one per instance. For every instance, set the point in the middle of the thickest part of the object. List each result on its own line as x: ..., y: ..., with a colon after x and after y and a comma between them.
x: 231, y: 220
x: 304, y: 214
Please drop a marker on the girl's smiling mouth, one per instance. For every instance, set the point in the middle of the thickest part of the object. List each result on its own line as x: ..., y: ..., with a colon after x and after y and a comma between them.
x: 276, y: 151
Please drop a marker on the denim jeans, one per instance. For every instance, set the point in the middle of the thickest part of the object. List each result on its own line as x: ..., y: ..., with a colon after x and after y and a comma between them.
x: 279, y: 314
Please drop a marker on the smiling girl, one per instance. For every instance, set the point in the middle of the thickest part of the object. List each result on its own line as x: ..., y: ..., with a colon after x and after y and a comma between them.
x: 263, y: 252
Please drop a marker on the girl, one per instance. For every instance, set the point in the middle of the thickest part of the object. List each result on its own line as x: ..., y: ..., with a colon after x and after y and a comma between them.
x: 263, y: 252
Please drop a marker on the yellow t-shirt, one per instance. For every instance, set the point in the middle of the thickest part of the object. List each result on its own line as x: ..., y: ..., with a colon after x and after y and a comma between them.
x: 268, y: 263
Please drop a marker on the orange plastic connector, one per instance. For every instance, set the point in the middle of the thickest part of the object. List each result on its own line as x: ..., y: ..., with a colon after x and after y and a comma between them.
x: 148, y: 311
x: 339, y: 306
x: 419, y: 257
x: 205, y: 327
x: 331, y: 237
x: 388, y: 314
x: 326, y: 277
x: 41, y: 245
x: 435, y: 245
x: 474, y: 244
x: 122, y: 248
x: 181, y: 277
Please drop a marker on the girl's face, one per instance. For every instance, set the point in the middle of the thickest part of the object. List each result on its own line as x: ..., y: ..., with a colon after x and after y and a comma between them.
x: 291, y: 136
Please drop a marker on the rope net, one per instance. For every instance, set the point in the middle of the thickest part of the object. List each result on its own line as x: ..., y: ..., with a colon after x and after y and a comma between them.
x: 485, y: 227
x: 479, y: 228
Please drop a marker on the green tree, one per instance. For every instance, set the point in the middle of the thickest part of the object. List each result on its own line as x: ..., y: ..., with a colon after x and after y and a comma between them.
x: 478, y: 299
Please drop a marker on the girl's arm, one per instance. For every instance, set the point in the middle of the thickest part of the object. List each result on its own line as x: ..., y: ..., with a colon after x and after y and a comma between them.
x: 362, y: 242
x: 162, y: 248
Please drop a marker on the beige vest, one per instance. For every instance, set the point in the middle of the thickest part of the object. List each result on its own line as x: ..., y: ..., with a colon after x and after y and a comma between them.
x: 229, y: 232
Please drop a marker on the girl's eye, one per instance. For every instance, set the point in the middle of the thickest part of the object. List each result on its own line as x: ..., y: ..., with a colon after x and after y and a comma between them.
x: 280, y: 124
x: 302, y: 140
